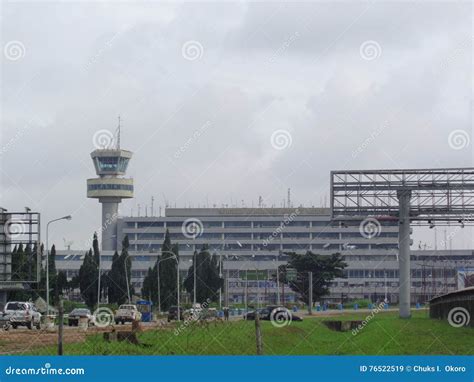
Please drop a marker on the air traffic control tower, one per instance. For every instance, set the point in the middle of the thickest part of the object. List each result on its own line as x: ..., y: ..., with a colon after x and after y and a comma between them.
x: 110, y: 187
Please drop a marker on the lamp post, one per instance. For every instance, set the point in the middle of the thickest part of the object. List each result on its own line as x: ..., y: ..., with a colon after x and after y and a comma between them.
x: 68, y: 217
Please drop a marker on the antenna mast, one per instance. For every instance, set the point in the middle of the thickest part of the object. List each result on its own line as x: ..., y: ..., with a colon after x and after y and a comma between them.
x: 118, y: 134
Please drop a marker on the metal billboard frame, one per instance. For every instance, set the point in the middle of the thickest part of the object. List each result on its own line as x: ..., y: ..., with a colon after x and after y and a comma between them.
x: 412, y: 195
x: 18, y: 228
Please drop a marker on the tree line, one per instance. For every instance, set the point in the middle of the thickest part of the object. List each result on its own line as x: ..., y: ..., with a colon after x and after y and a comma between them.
x: 160, y: 282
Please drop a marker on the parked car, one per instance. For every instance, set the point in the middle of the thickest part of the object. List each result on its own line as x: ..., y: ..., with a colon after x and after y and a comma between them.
x: 127, y: 313
x: 173, y: 313
x: 22, y: 314
x: 77, y: 314
x: 274, y: 311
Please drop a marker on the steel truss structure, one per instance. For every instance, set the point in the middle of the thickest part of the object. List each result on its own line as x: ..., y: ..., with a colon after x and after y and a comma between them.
x: 427, y: 195
x: 436, y: 195
x: 19, y: 228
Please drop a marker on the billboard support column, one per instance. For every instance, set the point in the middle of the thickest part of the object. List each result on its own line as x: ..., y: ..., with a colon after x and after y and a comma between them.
x: 404, y: 252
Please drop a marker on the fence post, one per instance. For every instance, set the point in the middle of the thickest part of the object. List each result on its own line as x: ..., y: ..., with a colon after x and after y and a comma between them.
x: 310, y: 293
x: 60, y: 328
x: 258, y: 333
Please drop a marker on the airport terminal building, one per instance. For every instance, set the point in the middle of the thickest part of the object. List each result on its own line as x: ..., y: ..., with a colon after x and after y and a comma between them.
x: 251, y: 239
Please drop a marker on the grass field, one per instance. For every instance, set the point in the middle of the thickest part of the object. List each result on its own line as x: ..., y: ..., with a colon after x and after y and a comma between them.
x: 385, y: 334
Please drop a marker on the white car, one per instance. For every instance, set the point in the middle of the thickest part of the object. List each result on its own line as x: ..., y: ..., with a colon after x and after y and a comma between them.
x: 22, y: 314
x: 127, y: 313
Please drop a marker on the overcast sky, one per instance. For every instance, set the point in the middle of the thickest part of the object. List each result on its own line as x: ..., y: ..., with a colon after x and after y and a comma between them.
x: 223, y: 102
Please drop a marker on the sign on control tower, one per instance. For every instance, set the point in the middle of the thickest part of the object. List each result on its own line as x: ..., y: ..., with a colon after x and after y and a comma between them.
x: 110, y: 187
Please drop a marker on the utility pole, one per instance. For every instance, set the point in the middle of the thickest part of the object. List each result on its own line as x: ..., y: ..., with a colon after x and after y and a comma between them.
x: 310, y: 293
x: 194, y: 278
x: 158, y: 283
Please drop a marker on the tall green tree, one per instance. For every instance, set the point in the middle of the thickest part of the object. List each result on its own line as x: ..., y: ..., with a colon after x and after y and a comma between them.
x: 167, y: 273
x: 95, y: 248
x: 88, y: 273
x: 208, y: 281
x: 120, y: 275
x: 325, y: 269
x: 53, y: 277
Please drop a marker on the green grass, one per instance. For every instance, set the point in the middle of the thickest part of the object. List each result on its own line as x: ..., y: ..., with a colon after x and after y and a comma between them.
x: 385, y: 334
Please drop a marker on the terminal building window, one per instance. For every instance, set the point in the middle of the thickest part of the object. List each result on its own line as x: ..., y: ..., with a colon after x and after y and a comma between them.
x: 237, y: 224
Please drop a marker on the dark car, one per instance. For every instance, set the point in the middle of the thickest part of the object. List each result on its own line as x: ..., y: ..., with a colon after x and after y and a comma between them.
x: 173, y: 313
x: 273, y: 312
x: 78, y: 313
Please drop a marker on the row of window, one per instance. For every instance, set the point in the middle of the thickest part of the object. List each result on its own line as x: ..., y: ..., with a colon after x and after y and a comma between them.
x: 112, y: 164
x: 108, y: 186
x: 256, y: 236
x: 243, y: 224
x: 393, y: 273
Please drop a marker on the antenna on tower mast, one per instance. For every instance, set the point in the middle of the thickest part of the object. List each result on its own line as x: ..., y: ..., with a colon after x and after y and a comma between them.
x: 118, y: 134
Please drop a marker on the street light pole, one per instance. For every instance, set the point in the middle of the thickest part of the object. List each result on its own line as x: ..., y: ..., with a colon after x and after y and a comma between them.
x: 220, y: 277
x: 278, y: 278
x: 158, y: 284
x: 68, y: 217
